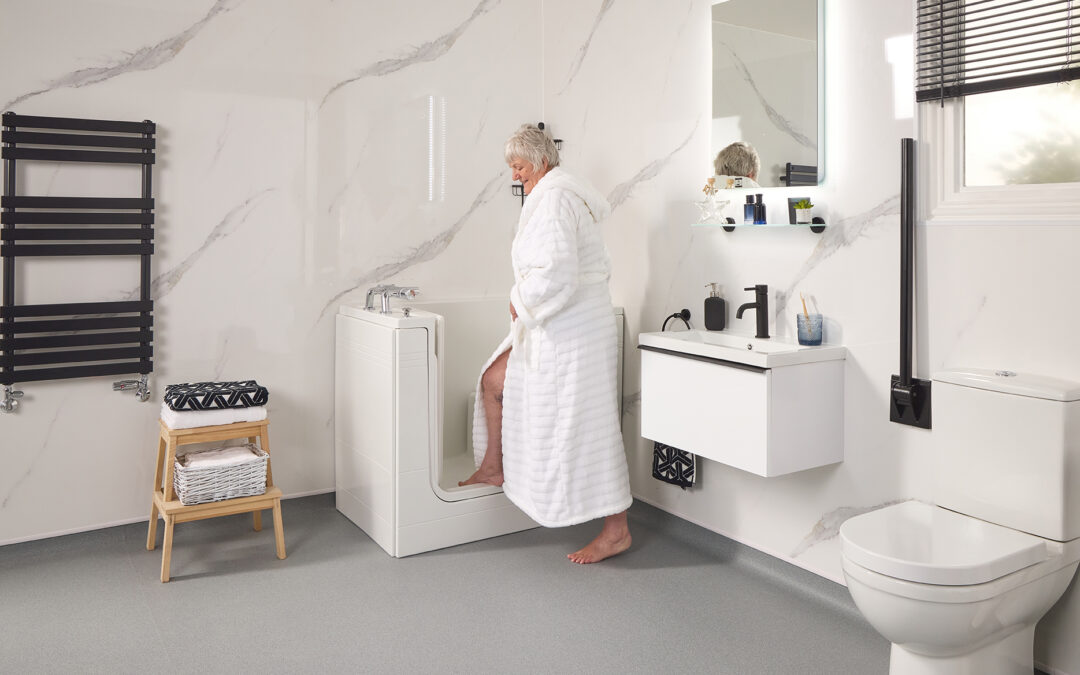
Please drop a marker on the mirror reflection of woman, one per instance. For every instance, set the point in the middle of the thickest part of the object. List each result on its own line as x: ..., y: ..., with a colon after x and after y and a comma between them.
x: 737, y: 165
x: 546, y: 425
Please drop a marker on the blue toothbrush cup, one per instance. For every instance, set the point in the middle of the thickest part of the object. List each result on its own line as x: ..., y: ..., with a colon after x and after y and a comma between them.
x: 809, y: 327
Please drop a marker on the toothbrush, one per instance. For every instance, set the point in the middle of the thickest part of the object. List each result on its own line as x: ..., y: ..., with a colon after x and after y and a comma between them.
x: 807, y: 314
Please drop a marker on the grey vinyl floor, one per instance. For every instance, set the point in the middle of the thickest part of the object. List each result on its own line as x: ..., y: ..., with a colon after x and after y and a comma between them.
x: 682, y: 600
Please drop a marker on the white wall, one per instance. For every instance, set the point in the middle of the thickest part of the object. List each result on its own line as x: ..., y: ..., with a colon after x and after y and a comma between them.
x: 292, y: 174
x: 627, y: 87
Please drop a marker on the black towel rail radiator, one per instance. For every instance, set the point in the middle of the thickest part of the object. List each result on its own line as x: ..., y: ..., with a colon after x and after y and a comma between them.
x: 78, y: 339
x: 799, y: 174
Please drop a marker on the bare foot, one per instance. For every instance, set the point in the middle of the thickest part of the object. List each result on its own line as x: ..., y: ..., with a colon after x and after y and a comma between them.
x: 604, y: 546
x: 485, y: 476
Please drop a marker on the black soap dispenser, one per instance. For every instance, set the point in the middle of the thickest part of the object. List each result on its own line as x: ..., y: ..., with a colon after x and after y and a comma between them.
x: 715, y: 309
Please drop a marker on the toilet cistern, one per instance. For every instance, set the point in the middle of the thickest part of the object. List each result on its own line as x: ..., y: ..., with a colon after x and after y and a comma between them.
x: 760, y: 306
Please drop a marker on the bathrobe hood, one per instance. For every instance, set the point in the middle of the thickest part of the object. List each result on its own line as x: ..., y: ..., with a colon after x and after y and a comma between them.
x: 558, y: 179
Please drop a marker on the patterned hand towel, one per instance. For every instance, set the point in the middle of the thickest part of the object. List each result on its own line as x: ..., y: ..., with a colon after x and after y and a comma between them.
x: 215, y: 395
x: 673, y: 465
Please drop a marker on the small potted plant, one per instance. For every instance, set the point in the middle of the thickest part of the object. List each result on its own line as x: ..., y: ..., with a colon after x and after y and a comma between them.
x: 802, y: 212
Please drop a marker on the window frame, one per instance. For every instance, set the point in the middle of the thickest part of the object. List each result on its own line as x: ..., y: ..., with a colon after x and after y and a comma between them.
x: 945, y: 199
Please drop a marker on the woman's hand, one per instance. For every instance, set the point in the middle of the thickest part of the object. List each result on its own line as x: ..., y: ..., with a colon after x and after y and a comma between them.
x: 513, y: 312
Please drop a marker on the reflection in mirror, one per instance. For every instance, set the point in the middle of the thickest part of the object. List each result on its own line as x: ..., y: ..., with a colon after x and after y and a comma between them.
x: 765, y: 84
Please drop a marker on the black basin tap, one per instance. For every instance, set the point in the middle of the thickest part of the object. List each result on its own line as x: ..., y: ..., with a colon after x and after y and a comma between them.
x: 760, y: 306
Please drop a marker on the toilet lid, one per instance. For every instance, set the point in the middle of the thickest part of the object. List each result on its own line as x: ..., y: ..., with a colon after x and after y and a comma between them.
x: 931, y: 545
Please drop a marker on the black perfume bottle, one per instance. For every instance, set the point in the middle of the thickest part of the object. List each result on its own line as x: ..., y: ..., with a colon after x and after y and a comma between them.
x: 759, y: 212
x: 715, y: 309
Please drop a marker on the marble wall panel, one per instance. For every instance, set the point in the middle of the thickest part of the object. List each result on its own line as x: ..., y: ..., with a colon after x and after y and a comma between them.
x: 627, y: 82
x: 293, y: 173
x: 639, y: 128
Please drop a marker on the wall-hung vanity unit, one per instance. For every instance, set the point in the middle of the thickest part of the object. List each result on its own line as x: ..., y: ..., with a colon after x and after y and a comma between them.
x: 770, y: 407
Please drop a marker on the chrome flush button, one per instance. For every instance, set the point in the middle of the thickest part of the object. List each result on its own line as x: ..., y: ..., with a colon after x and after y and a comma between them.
x: 1004, y: 373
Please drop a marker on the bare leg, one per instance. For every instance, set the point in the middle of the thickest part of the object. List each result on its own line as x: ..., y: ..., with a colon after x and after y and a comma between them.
x: 491, y: 469
x: 613, y: 539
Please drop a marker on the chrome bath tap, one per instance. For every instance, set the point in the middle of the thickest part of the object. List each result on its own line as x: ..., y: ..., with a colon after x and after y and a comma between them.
x: 387, y: 291
x: 369, y: 301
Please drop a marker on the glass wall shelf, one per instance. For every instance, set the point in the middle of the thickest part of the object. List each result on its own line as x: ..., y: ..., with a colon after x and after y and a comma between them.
x: 817, y: 227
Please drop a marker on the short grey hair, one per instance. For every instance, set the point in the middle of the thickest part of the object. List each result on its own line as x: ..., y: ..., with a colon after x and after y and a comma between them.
x: 738, y: 159
x: 534, y: 145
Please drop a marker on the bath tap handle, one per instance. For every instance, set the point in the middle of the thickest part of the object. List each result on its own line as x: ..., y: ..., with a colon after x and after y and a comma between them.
x: 388, y: 291
x: 369, y: 302
x: 391, y: 291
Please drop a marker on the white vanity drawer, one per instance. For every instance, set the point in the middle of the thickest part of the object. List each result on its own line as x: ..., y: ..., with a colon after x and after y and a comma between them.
x: 768, y: 421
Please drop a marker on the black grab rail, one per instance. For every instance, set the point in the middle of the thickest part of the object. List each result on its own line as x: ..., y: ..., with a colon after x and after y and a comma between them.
x: 909, y: 400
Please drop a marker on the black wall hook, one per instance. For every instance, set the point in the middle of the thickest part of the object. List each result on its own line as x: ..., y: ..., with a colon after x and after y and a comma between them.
x: 558, y: 141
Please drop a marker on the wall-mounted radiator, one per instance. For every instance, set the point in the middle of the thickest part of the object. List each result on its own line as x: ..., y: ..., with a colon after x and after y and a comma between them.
x: 75, y: 339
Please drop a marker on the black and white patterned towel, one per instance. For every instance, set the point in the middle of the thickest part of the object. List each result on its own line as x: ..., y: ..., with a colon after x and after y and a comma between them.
x: 215, y: 395
x: 673, y: 465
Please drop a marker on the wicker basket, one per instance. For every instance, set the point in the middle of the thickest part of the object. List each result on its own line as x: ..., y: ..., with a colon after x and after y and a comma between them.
x: 199, y: 485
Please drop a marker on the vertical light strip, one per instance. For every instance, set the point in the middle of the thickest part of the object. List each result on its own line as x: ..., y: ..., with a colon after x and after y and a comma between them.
x: 431, y: 148
x: 442, y: 150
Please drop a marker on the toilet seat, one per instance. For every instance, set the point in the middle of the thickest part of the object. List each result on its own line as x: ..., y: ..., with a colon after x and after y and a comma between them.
x: 928, y: 544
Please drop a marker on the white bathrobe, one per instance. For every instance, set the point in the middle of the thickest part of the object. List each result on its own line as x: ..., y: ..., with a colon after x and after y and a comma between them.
x: 563, y: 456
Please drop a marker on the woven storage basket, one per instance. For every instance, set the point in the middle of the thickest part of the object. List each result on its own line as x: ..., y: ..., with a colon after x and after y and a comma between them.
x: 199, y: 485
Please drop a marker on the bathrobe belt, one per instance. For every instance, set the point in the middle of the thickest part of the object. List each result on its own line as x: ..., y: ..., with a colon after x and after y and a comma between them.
x: 527, y: 342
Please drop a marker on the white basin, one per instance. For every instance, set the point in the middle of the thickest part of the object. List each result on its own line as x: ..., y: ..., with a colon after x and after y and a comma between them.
x: 738, y: 348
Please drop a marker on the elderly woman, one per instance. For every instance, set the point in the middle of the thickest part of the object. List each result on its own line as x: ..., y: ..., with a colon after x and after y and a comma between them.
x: 547, y: 425
x: 738, y: 164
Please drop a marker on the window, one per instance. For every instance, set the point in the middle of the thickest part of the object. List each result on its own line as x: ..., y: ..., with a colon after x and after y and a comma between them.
x: 1000, y: 111
x: 1023, y: 136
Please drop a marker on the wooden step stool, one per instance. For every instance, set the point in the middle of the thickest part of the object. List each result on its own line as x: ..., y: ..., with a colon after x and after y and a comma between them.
x: 166, y: 503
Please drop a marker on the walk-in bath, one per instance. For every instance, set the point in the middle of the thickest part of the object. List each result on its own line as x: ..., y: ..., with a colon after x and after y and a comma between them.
x: 404, y: 387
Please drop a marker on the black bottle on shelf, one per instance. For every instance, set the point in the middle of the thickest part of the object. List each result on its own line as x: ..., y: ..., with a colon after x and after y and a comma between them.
x: 759, y: 211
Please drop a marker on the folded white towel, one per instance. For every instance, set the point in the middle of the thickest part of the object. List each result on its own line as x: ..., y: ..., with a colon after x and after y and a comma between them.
x: 189, y: 419
x: 226, y: 456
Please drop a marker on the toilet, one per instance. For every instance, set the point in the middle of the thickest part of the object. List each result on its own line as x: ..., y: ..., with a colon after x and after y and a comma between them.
x: 958, y: 586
